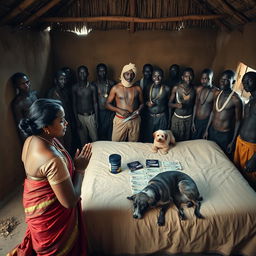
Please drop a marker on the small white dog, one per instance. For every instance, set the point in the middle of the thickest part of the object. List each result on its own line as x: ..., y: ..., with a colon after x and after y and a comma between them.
x: 162, y: 140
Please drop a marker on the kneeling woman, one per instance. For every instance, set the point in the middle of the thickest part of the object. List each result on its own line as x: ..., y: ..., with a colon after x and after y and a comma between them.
x: 52, y: 187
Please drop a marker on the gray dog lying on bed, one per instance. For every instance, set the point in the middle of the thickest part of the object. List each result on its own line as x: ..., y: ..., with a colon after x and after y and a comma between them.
x: 164, y: 189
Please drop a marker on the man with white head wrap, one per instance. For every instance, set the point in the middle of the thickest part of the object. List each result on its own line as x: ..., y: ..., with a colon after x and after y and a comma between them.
x: 126, y: 100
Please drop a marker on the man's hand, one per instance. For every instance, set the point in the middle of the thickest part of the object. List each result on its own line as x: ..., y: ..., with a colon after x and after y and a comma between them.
x: 124, y: 113
x: 250, y: 165
x: 150, y: 104
x: 205, y: 136
x: 193, y: 127
x: 179, y: 105
x: 229, y: 147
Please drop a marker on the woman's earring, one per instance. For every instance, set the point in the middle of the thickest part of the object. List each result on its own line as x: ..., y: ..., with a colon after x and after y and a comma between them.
x: 46, y: 131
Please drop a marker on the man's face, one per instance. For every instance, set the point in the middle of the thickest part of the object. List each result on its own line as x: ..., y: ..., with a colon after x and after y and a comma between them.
x: 249, y: 83
x: 102, y: 72
x: 61, y: 80
x: 157, y: 77
x: 226, y: 82
x: 23, y: 84
x: 205, y: 79
x: 68, y: 73
x: 82, y: 74
x: 147, y: 73
x: 187, y: 77
x: 129, y: 76
x: 173, y: 71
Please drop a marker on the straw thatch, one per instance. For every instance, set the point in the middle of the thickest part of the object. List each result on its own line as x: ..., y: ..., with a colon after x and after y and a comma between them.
x: 132, y: 15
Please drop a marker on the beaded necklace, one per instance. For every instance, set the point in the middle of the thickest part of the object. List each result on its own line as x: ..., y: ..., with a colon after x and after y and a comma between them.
x: 158, y: 95
x: 225, y: 103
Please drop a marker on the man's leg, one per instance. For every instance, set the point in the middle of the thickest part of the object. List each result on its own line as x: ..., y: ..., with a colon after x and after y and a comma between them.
x: 134, y: 129
x: 91, y: 126
x: 82, y: 132
x: 119, y: 129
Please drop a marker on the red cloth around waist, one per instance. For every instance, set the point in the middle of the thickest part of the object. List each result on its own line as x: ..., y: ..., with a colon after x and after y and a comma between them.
x: 121, y: 117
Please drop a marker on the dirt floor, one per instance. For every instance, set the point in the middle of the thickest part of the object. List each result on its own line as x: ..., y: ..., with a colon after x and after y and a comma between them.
x: 13, y: 209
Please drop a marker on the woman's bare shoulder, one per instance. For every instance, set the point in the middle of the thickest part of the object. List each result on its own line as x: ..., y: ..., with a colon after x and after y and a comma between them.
x: 38, y: 149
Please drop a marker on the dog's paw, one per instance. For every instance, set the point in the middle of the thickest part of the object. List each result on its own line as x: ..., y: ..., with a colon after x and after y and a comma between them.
x: 154, y: 150
x: 164, y: 152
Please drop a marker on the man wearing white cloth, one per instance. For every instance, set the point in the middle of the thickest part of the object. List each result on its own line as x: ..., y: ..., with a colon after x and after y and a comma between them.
x: 126, y: 100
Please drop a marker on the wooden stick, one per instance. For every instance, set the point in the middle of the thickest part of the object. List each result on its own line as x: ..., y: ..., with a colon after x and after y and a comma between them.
x: 41, y: 12
x: 131, y: 19
x: 133, y: 13
x: 204, y: 6
x: 228, y: 8
x: 17, y: 10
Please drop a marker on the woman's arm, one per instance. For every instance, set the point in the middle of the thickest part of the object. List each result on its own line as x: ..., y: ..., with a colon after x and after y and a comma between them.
x: 68, y: 192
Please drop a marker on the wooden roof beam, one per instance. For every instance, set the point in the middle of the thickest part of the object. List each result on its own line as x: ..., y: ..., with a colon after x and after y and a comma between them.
x: 240, y: 17
x: 42, y: 11
x: 17, y: 10
x: 204, y: 6
x: 131, y: 19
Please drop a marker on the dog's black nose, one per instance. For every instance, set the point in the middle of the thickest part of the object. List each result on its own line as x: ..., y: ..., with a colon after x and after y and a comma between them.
x: 135, y: 216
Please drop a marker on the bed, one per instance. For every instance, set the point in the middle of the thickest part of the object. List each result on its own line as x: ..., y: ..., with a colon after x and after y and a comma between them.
x: 229, y: 205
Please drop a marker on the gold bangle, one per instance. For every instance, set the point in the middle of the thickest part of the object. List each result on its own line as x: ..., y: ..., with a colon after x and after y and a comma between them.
x: 79, y: 171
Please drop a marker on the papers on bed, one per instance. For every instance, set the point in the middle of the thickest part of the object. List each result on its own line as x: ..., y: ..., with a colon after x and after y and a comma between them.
x: 140, y: 178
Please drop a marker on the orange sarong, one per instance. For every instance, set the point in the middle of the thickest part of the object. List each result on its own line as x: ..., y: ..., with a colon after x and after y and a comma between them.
x: 243, y: 152
x: 52, y: 228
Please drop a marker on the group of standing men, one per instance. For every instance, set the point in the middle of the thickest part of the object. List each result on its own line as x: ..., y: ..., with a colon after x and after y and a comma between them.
x: 132, y: 111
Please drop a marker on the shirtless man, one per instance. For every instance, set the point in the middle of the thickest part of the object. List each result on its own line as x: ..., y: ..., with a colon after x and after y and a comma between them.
x: 23, y: 99
x: 245, y: 152
x: 174, y: 76
x: 69, y: 76
x: 104, y: 85
x: 182, y: 101
x: 226, y: 116
x: 128, y: 101
x: 156, y: 108
x: 60, y: 92
x: 203, y: 105
x: 85, y: 106
x: 146, y: 81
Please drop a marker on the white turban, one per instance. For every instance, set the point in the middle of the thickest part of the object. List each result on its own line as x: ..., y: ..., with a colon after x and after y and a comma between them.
x: 126, y: 68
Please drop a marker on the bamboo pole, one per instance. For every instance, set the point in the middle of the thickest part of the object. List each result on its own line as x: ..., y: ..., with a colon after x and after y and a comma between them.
x: 131, y: 19
x: 17, y: 10
x: 204, y: 6
x: 41, y: 12
x: 133, y: 13
x: 229, y: 8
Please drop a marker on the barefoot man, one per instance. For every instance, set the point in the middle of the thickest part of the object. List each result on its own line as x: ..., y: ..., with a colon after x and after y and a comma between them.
x: 126, y: 100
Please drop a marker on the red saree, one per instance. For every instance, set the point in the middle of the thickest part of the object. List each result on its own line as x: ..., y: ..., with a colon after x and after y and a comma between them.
x: 52, y: 229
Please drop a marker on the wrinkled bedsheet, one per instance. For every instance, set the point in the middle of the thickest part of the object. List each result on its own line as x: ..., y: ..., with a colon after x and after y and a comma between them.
x: 229, y: 204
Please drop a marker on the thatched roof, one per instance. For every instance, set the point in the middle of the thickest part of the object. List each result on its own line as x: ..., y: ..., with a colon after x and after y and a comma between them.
x: 130, y: 15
